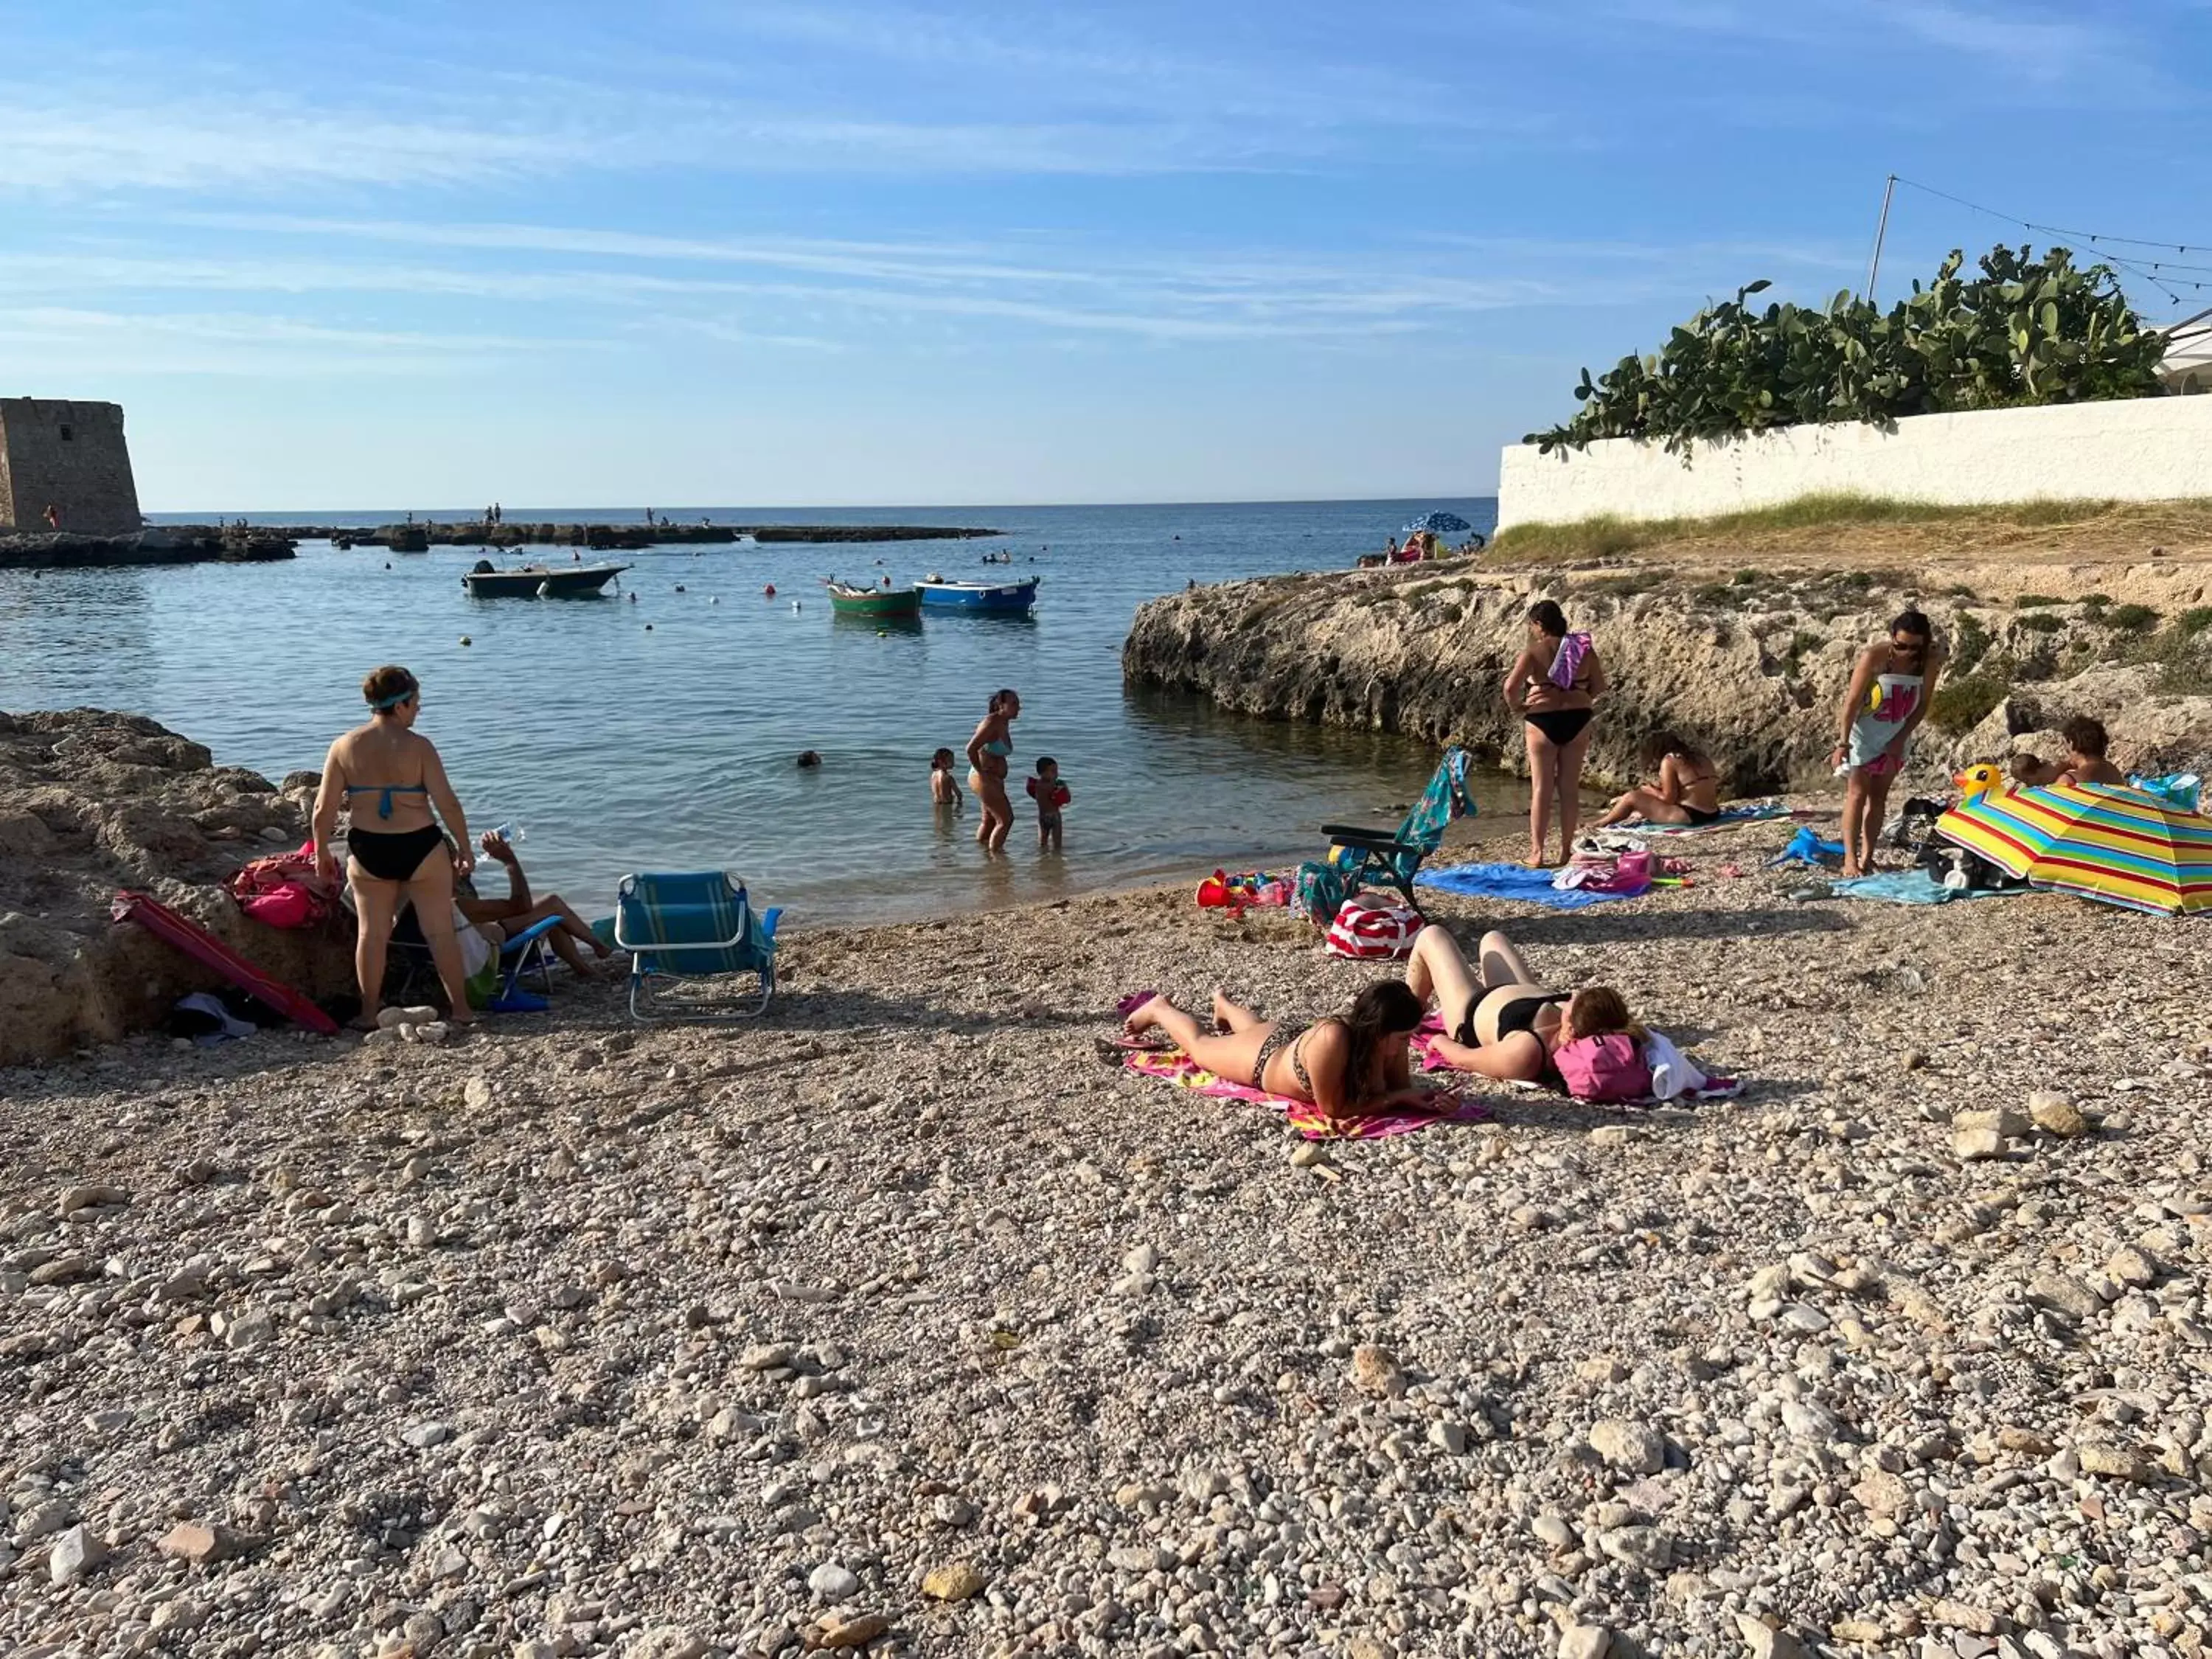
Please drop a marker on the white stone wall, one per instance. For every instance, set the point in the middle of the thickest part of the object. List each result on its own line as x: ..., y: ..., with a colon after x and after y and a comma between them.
x: 2143, y: 449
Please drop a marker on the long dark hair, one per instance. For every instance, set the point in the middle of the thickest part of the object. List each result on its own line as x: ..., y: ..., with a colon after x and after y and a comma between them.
x: 1547, y: 616
x: 1661, y: 743
x: 999, y: 696
x: 1386, y: 1008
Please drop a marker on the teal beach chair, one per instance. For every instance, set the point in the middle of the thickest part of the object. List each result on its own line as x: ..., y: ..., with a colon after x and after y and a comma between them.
x: 694, y: 926
x: 1360, y: 857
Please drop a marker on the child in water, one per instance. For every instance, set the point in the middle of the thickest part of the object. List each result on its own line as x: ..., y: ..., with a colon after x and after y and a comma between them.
x: 943, y: 789
x: 1051, y: 795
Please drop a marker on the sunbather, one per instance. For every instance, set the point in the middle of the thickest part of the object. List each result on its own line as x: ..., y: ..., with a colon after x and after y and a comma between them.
x: 1349, y: 1065
x: 2085, y: 760
x: 519, y: 909
x: 1688, y: 788
x: 391, y: 777
x: 1501, y: 1022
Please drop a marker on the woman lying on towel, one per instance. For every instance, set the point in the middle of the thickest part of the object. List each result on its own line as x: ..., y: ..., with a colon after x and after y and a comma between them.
x: 1349, y: 1064
x: 1500, y: 1021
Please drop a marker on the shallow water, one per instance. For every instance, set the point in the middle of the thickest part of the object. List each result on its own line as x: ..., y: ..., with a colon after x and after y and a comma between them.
x: 619, y: 747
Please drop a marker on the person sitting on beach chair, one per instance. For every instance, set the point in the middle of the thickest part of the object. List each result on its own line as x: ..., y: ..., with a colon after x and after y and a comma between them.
x: 520, y: 909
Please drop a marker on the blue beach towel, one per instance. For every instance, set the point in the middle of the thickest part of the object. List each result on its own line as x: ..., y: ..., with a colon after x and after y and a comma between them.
x: 1911, y: 887
x: 1511, y: 881
x: 1750, y: 811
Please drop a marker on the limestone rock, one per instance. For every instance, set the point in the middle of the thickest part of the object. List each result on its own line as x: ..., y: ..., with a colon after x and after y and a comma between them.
x: 73, y: 1554
x: 1375, y: 1370
x: 203, y: 1543
x: 1764, y: 1641
x: 1635, y: 1447
x: 1585, y: 1642
x: 2054, y: 1114
x: 955, y: 1582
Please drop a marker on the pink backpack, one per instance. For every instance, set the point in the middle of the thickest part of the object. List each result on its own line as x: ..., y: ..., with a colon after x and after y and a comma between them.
x: 1601, y: 1068
x: 1369, y: 930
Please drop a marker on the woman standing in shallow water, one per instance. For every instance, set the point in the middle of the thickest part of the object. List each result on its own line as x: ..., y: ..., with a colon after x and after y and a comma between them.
x: 988, y: 751
x: 390, y: 779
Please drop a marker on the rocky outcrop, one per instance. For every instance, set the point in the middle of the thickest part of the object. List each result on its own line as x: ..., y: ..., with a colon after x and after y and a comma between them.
x: 91, y: 802
x: 63, y: 550
x: 1752, y: 665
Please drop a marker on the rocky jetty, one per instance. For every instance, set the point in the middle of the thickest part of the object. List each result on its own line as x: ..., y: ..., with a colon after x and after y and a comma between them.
x: 897, y: 1324
x: 91, y: 802
x: 419, y: 538
x: 1750, y: 662
x: 62, y: 550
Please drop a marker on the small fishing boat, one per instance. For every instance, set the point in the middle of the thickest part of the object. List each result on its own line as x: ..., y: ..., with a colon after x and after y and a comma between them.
x: 938, y: 594
x: 876, y: 604
x: 538, y: 581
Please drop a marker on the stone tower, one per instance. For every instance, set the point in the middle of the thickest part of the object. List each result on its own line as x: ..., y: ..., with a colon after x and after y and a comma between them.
x: 69, y: 457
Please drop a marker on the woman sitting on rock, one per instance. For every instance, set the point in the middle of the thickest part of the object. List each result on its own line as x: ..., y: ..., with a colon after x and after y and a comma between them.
x: 1502, y: 1023
x: 1686, y: 790
x: 1349, y: 1065
x: 390, y: 779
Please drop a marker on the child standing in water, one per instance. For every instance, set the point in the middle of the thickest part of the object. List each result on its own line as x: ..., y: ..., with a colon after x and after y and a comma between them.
x: 943, y: 788
x: 1051, y: 795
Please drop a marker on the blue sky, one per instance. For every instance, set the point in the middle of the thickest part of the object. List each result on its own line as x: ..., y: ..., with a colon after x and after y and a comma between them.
x: 663, y: 254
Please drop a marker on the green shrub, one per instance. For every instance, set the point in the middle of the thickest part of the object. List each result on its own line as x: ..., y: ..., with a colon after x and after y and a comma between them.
x: 1713, y: 593
x: 2095, y: 601
x: 1970, y: 643
x: 2027, y: 601
x: 1748, y: 578
x: 2194, y: 620
x: 1961, y: 704
x: 1962, y: 592
x: 2041, y: 622
x: 2131, y: 618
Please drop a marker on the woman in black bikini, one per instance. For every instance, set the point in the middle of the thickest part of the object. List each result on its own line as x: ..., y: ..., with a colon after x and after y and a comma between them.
x: 1349, y: 1065
x: 389, y: 778
x: 1500, y: 1023
x: 1688, y: 790
x: 1553, y: 686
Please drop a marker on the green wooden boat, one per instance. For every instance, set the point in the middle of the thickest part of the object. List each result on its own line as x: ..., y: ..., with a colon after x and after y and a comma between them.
x: 877, y: 603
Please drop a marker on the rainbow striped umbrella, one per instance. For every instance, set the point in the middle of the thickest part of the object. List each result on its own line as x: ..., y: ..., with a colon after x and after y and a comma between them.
x: 2096, y: 838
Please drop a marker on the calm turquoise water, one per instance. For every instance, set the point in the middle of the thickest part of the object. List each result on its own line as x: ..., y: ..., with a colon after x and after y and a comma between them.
x: 620, y: 748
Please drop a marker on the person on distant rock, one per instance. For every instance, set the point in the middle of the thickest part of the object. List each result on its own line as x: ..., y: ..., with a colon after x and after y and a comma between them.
x: 988, y: 751
x: 1501, y: 1022
x: 1553, y: 686
x: 1351, y: 1065
x: 1686, y: 789
x: 1889, y: 698
x: 2085, y: 760
x: 390, y: 777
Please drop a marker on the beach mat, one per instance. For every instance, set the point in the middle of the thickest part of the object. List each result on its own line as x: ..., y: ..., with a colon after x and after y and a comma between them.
x: 1911, y: 887
x: 1756, y: 811
x: 1513, y: 882
x: 1171, y: 1064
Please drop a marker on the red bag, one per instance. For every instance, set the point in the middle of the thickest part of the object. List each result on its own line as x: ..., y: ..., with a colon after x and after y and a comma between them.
x: 1369, y: 930
x: 284, y: 891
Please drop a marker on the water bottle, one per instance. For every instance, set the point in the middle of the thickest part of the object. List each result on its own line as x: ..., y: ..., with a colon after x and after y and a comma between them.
x: 510, y: 832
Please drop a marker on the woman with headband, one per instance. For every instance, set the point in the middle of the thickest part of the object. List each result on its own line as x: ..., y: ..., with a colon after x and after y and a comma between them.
x: 389, y: 778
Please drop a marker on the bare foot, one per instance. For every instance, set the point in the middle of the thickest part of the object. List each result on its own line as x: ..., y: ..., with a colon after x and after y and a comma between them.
x: 366, y: 1020
x: 1536, y: 860
x: 1142, y: 1018
x: 1220, y: 1014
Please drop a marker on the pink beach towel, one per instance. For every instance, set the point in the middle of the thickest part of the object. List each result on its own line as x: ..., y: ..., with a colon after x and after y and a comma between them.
x: 1568, y: 662
x: 1172, y: 1064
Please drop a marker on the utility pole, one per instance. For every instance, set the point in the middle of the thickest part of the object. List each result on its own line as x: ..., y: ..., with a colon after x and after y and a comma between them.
x: 1881, y: 230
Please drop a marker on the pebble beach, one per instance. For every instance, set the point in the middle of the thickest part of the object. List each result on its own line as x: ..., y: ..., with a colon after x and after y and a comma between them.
x: 901, y: 1322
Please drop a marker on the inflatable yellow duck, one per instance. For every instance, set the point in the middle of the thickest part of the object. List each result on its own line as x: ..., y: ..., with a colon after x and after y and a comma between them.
x: 1979, y: 778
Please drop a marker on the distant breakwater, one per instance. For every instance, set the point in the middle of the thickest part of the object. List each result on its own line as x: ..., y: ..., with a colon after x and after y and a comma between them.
x: 253, y: 544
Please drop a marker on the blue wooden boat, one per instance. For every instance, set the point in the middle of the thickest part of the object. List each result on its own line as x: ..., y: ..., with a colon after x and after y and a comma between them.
x: 938, y: 594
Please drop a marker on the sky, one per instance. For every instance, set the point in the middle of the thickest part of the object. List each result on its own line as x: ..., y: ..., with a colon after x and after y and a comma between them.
x: 676, y: 253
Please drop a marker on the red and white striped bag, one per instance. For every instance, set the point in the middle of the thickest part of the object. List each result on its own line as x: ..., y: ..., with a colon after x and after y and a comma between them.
x: 1369, y: 930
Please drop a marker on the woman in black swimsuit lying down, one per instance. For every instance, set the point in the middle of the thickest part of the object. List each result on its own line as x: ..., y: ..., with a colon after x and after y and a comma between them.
x: 1349, y: 1065
x: 1499, y: 1021
x: 389, y: 778
x: 1557, y: 716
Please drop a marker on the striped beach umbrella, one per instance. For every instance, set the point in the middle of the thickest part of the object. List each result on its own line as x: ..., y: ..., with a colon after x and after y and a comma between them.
x: 2098, y: 840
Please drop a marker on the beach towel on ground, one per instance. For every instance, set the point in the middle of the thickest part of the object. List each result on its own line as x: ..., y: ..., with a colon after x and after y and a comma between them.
x: 1511, y: 881
x: 1911, y: 887
x: 1172, y: 1064
x: 1753, y: 811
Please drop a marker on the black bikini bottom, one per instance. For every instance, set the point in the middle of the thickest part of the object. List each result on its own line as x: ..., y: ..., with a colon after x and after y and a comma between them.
x: 393, y: 855
x: 1699, y: 818
x: 1561, y: 726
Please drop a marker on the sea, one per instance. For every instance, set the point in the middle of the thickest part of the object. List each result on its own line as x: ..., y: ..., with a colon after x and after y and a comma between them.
x: 659, y: 727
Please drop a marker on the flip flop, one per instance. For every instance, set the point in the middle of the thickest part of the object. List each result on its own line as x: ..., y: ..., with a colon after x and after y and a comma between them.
x: 1136, y: 1000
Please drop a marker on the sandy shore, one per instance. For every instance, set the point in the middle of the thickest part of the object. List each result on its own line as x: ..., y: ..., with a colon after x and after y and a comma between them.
x: 900, y: 1317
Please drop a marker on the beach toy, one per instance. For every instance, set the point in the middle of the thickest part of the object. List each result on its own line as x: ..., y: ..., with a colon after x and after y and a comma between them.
x: 1979, y: 778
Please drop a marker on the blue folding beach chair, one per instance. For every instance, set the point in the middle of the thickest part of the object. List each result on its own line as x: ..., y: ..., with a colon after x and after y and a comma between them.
x: 693, y: 926
x: 1359, y: 857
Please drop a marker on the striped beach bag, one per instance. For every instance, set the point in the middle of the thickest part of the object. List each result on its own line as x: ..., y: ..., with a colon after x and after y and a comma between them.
x: 1368, y: 929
